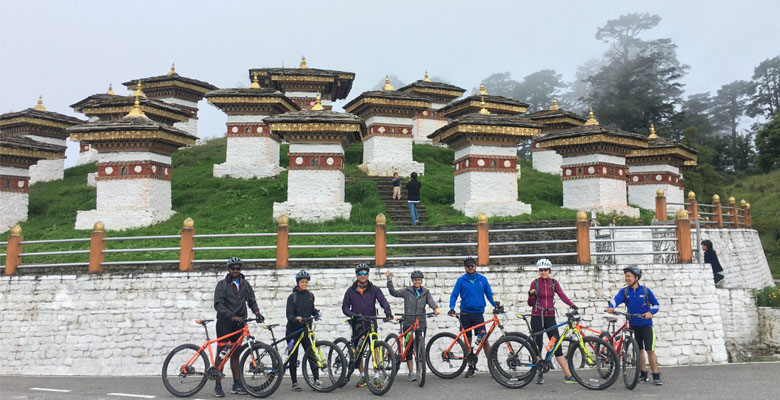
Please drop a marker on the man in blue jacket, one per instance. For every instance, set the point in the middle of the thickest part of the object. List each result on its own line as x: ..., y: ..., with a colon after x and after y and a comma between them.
x: 472, y: 288
x: 640, y: 300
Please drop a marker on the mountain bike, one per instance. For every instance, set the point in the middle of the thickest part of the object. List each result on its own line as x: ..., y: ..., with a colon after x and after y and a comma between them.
x: 323, y: 372
x: 593, y: 363
x: 379, y: 356
x: 410, y: 344
x: 622, y: 340
x: 187, y: 368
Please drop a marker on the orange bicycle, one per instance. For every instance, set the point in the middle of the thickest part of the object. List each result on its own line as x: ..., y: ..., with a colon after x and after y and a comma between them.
x: 414, y: 347
x: 184, y: 375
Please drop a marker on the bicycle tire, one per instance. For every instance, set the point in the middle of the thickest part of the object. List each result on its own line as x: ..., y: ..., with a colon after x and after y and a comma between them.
x: 330, y: 364
x: 507, y: 360
x: 184, y: 353
x: 262, y: 377
x: 384, y: 371
x: 420, y: 358
x: 630, y: 362
x: 346, y: 347
x: 435, y: 351
x: 395, y: 343
x: 605, y: 356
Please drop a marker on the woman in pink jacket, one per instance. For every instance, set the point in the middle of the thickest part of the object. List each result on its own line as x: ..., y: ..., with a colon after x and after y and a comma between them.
x: 541, y: 299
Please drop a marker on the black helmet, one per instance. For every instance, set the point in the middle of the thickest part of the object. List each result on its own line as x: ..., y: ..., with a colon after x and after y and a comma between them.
x: 634, y: 270
x: 417, y: 274
x: 233, y: 261
x: 469, y: 261
x: 361, y: 267
x: 302, y: 275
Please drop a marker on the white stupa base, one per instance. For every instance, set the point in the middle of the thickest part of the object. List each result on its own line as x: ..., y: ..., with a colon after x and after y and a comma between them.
x: 619, y: 210
x: 13, y: 209
x: 91, y: 179
x: 47, y: 171
x: 115, y: 220
x: 246, y: 171
x: 86, y: 157
x: 496, y: 209
x: 312, y: 212
x: 388, y: 168
x: 547, y: 161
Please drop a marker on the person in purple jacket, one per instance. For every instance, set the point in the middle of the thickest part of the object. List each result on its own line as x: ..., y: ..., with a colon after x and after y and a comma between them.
x: 541, y: 298
x: 361, y: 298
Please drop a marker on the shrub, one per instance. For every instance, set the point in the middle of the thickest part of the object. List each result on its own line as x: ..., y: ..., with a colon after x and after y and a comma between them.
x: 768, y: 297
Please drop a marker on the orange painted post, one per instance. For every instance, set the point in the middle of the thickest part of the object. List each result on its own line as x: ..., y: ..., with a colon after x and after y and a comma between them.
x: 718, y: 211
x: 683, y: 233
x: 734, y: 213
x: 660, y: 205
x: 380, y: 241
x: 748, y: 217
x: 483, y: 240
x: 186, y: 254
x: 282, y: 243
x: 693, y: 207
x: 583, y: 238
x: 743, y: 212
x: 13, y: 249
x: 96, y: 246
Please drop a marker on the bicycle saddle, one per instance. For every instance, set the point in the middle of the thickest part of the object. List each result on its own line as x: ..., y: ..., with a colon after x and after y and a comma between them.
x: 270, y: 326
x: 611, y: 318
x: 203, y: 321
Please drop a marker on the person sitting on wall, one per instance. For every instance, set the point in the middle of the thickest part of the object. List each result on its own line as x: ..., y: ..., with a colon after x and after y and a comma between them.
x: 640, y: 300
x: 710, y: 257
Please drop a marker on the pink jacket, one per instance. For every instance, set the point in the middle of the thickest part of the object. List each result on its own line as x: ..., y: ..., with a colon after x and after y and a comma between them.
x: 542, y: 302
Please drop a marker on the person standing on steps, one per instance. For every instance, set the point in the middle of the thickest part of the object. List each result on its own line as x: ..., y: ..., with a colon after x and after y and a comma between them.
x: 396, y: 186
x: 413, y: 197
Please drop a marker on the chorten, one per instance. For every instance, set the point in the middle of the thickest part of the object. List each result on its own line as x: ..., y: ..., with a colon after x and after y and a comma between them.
x: 439, y: 94
x: 552, y: 120
x: 498, y: 105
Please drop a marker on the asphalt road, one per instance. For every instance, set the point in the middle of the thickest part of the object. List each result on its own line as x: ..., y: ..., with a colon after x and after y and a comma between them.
x: 733, y: 381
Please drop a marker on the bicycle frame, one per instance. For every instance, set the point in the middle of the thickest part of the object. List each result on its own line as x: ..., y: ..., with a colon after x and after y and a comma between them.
x: 371, y: 335
x: 300, y: 333
x: 412, y: 330
x: 244, y: 334
x: 494, y: 321
x: 571, y: 329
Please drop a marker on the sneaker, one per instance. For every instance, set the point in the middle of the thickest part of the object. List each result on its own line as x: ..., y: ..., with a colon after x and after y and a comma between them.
x: 218, y: 392
x: 569, y: 379
x: 540, y: 379
x: 412, y: 377
x: 377, y: 380
x: 470, y: 372
x: 657, y: 379
x: 721, y: 283
x: 642, y: 376
x: 238, y: 388
x: 296, y: 387
x: 317, y: 383
x: 361, y: 382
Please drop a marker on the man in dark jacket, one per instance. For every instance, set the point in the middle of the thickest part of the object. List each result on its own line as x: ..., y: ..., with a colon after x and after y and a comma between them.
x: 230, y: 300
x: 300, y: 305
x: 413, y: 197
x: 710, y: 257
x: 361, y: 298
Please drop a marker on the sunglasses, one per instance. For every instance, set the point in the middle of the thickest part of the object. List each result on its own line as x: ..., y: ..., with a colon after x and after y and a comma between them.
x: 471, y: 266
x: 544, y: 269
x: 362, y: 273
x: 235, y: 268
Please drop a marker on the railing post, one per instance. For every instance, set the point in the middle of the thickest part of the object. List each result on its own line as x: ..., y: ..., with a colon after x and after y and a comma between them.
x: 380, y: 241
x: 693, y: 207
x: 583, y: 238
x: 683, y: 233
x: 748, y: 217
x: 718, y: 211
x: 743, y: 212
x: 660, y: 205
x: 483, y: 240
x: 96, y: 246
x: 282, y: 243
x: 186, y: 254
x: 734, y: 212
x: 13, y: 249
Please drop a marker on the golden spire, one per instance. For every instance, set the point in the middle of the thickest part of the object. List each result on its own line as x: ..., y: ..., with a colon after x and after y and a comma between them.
x: 652, y: 132
x: 255, y: 84
x: 482, y: 89
x: 173, y: 69
x: 426, y: 79
x: 136, y: 110
x: 303, y: 63
x: 40, y: 106
x: 591, y: 119
x: 318, y: 103
x: 555, y: 105
x: 110, y: 89
x: 138, y: 91
x: 483, y: 111
x: 388, y: 86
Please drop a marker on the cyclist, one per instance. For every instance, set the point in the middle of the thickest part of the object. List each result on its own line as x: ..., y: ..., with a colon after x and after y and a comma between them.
x: 361, y: 298
x: 231, y: 297
x: 640, y: 300
x: 300, y: 305
x: 541, y: 298
x: 415, y: 298
x: 472, y: 288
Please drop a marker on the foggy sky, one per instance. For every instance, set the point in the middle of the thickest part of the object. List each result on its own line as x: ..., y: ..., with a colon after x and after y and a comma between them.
x: 68, y: 50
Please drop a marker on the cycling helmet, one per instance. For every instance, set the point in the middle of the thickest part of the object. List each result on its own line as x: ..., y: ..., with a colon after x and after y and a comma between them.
x: 469, y: 261
x: 233, y: 261
x: 417, y: 274
x: 302, y: 275
x: 361, y: 267
x: 543, y: 263
x: 634, y: 270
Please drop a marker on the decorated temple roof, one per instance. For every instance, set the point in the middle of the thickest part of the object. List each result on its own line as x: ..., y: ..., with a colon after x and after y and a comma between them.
x: 103, y: 104
x: 472, y: 104
x: 437, y: 91
x: 557, y: 117
x: 12, y: 144
x: 171, y: 80
x: 318, y: 121
x: 659, y: 147
x: 334, y: 84
x: 37, y: 116
x: 253, y: 97
x: 593, y: 134
x: 488, y: 125
x: 386, y: 99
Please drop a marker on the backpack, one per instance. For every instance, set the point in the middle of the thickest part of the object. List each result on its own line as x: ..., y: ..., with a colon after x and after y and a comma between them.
x: 645, y: 297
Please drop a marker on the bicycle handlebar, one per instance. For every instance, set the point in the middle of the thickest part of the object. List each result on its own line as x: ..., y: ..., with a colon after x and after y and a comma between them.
x: 370, y: 317
x: 642, y: 316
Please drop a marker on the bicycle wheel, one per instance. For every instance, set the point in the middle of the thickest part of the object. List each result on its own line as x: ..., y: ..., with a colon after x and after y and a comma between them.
x: 630, y: 362
x: 601, y: 363
x: 381, y: 362
x: 324, y: 366
x: 419, y: 355
x: 182, y: 374
x: 511, y: 362
x: 446, y: 362
x: 261, y: 370
x: 345, y: 346
x: 395, y: 343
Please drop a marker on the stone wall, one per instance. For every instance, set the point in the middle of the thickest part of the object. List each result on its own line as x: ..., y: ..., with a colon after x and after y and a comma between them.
x: 742, y: 257
x: 125, y: 324
x: 769, y: 327
x: 740, y: 320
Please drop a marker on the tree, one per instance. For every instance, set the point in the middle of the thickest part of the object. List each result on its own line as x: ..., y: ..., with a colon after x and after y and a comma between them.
x: 622, y: 33
x: 394, y: 81
x: 694, y: 113
x: 768, y: 145
x: 575, y: 98
x: 499, y: 84
x: 729, y: 105
x: 765, y: 89
x: 538, y: 89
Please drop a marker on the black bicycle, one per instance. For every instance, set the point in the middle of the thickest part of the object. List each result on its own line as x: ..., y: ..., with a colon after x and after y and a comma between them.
x: 379, y: 356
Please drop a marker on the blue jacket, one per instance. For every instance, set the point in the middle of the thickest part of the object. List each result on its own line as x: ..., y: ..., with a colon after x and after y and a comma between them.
x: 636, y: 304
x: 472, y: 290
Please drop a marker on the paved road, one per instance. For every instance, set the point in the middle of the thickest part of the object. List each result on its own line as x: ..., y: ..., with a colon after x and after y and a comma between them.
x: 735, y: 381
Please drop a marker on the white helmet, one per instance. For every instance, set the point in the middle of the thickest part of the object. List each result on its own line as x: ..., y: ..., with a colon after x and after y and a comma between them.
x: 543, y: 263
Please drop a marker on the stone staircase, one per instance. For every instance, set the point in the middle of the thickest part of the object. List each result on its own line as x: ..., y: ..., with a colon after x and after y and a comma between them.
x: 397, y: 210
